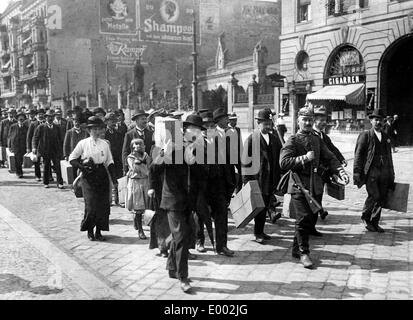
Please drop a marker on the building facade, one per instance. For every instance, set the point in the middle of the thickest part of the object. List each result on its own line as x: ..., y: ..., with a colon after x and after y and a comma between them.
x: 351, y: 56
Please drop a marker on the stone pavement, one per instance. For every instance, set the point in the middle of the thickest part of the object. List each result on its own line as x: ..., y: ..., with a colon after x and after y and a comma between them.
x: 350, y: 262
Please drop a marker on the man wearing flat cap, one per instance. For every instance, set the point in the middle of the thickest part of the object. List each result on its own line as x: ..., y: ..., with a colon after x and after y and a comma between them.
x: 268, y: 174
x: 320, y: 124
x: 17, y: 142
x: 302, y: 154
x: 47, y: 143
x: 373, y: 166
x: 140, y: 131
x: 115, y: 139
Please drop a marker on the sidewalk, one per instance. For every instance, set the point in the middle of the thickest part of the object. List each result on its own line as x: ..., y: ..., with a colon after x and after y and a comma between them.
x: 350, y: 263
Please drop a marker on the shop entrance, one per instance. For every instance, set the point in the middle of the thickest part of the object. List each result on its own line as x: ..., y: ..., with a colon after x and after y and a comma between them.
x: 396, y: 86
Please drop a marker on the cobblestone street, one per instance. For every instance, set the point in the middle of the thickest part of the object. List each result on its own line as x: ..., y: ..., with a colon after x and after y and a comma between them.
x: 45, y: 256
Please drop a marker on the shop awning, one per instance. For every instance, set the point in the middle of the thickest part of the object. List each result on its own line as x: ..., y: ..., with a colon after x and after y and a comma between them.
x: 350, y: 93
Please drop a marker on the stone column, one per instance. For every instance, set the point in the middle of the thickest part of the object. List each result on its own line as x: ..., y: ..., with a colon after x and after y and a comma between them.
x: 88, y: 99
x: 180, y: 93
x: 232, y: 92
x: 293, y: 106
x: 120, y: 96
x: 77, y: 98
x: 73, y: 100
x: 252, y: 100
x: 101, y: 98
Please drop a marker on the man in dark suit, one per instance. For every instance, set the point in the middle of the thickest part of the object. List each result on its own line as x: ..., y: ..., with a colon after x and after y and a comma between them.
x: 140, y: 131
x: 5, y: 127
x: 30, y: 117
x: 17, y: 142
x: 120, y: 123
x: 302, y: 154
x: 388, y: 129
x: 47, y: 143
x: 61, y: 123
x: 73, y: 136
x: 373, y: 166
x: 268, y: 173
x: 115, y: 139
x: 320, y: 124
x: 236, y: 148
x: 181, y: 181
x: 29, y: 139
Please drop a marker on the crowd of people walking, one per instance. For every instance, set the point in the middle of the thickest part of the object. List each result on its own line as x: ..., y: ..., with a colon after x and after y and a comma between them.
x: 185, y: 186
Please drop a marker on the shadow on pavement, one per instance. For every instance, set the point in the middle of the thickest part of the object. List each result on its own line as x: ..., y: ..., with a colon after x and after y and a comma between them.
x: 297, y: 289
x: 125, y: 240
x: 121, y: 222
x: 10, y: 283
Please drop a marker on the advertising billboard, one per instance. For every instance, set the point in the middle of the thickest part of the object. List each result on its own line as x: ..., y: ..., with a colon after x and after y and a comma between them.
x: 118, y: 17
x: 168, y: 21
x: 123, y: 51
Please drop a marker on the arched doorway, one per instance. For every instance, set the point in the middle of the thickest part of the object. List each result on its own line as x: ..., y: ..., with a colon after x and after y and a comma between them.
x: 396, y: 86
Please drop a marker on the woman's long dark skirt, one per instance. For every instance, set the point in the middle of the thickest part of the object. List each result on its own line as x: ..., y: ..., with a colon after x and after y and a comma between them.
x: 95, y: 188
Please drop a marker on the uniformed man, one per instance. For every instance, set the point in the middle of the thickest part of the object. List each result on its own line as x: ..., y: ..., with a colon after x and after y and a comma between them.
x: 302, y: 154
x: 373, y: 166
x: 320, y: 124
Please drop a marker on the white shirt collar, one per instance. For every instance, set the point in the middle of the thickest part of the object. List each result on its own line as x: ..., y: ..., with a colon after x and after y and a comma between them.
x: 378, y: 134
x: 266, y: 137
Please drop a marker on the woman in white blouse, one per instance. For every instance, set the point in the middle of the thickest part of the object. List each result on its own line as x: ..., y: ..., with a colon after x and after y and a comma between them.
x: 92, y: 156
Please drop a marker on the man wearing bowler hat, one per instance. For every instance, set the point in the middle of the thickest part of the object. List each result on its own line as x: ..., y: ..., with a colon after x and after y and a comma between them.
x: 224, y: 177
x: 269, y: 171
x: 302, y: 154
x: 140, y: 131
x: 235, y: 131
x: 373, y: 166
x: 5, y: 127
x: 180, y: 187
x: 29, y: 139
x: 30, y: 117
x: 17, y: 142
x: 47, y: 143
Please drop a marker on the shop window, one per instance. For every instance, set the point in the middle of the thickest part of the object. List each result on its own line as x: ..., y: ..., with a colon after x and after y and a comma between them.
x: 303, y: 10
x: 340, y: 7
x: 285, y: 104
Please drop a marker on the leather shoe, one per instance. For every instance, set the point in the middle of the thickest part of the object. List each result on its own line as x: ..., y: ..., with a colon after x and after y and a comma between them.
x: 306, y: 261
x: 185, y: 286
x: 379, y: 229
x: 172, y: 274
x: 200, y: 248
x: 316, y: 233
x: 371, y: 228
x: 259, y: 239
x: 99, y: 236
x: 266, y: 236
x: 91, y: 236
x: 191, y: 256
x: 226, y: 252
x: 323, y: 214
x: 276, y: 217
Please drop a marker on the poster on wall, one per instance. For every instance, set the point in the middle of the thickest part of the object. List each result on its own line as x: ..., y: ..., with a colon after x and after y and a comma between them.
x: 123, y: 51
x: 341, y: 115
x: 263, y: 14
x: 334, y: 115
x: 168, y: 21
x: 118, y: 17
x: 348, y: 114
x: 361, y: 114
x: 209, y: 16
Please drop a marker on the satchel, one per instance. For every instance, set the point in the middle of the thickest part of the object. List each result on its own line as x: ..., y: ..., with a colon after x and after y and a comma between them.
x: 148, y: 214
x: 282, y: 187
x: 77, y: 186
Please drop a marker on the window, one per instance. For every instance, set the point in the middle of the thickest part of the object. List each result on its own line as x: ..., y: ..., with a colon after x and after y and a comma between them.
x: 303, y: 10
x: 340, y: 7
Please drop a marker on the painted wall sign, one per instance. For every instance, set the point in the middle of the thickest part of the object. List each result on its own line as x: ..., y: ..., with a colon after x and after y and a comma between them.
x: 168, y: 21
x: 210, y: 20
x: 118, y: 16
x: 123, y: 50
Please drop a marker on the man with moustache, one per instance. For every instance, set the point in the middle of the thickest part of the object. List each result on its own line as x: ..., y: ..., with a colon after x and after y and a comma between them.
x: 47, y: 143
x: 17, y: 142
x: 373, y: 166
x: 140, y: 131
x: 269, y: 171
x: 320, y: 124
x: 302, y: 154
x: 29, y: 138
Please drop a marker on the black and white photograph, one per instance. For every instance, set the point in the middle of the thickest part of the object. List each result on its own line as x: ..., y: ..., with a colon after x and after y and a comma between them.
x: 206, y: 154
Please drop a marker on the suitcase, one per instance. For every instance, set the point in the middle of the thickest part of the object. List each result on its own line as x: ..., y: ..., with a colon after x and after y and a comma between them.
x: 286, y: 206
x: 247, y: 204
x: 335, y: 190
x: 397, y: 200
x: 11, y: 161
x: 27, y: 162
x: 122, y: 189
x: 67, y: 171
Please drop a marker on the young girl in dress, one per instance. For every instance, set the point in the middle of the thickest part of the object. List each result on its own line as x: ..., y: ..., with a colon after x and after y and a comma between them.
x: 138, y: 183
